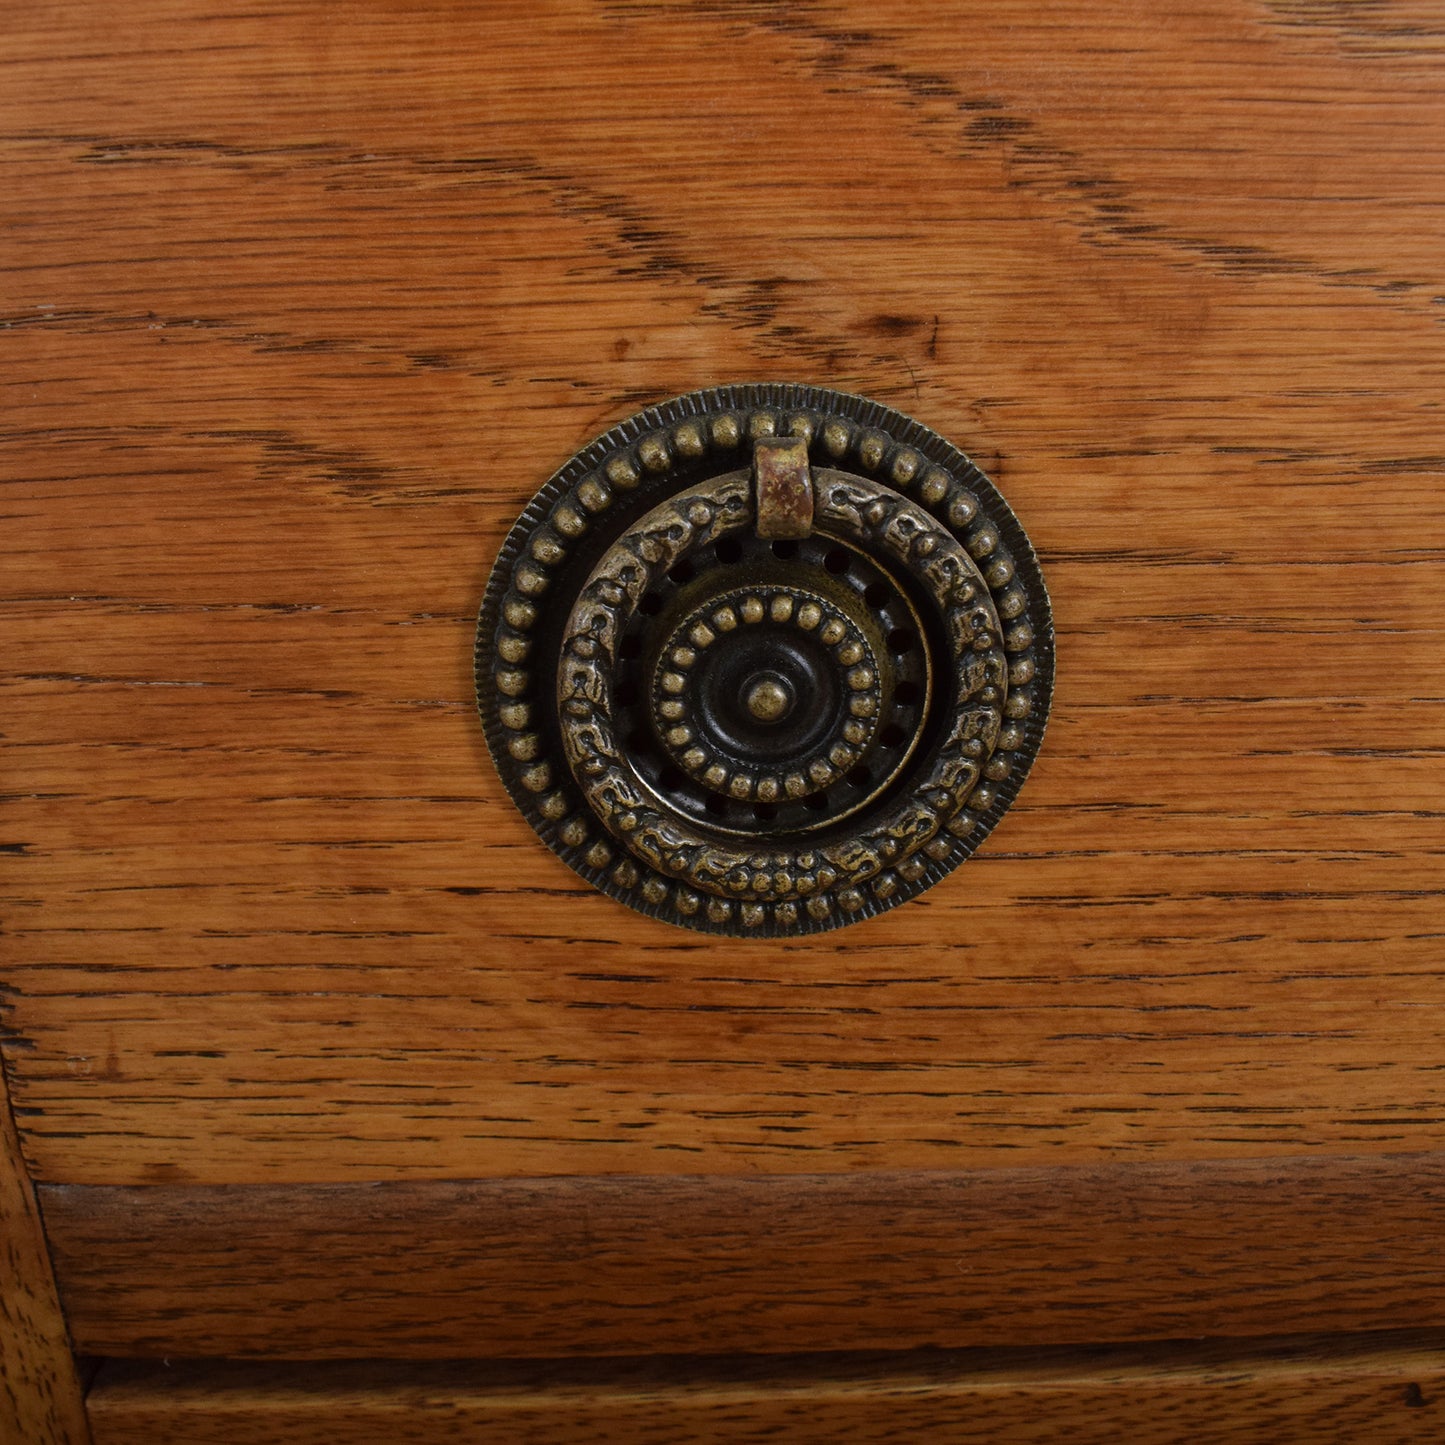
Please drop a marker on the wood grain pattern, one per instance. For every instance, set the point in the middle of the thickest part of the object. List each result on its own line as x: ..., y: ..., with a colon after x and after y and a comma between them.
x: 1388, y: 1391
x: 319, y: 1051
x: 40, y: 1395
x: 301, y: 307
x: 781, y: 1263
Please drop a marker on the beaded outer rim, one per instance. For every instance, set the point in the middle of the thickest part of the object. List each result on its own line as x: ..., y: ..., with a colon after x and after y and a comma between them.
x: 628, y: 470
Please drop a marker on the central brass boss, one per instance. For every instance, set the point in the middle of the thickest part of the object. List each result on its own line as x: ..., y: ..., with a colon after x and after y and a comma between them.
x: 765, y: 660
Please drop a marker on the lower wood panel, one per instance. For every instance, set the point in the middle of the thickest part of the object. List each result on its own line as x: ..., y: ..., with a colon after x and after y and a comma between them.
x: 606, y: 1266
x: 1387, y: 1391
x: 40, y: 1399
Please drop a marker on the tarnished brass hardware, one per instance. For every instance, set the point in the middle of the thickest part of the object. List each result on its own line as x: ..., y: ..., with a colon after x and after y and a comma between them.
x: 783, y: 480
x: 765, y: 660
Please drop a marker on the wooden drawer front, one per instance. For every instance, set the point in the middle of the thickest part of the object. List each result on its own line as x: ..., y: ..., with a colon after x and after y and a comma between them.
x: 304, y: 303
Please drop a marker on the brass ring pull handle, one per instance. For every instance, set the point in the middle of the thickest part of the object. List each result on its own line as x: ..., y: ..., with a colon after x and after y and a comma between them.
x: 765, y: 660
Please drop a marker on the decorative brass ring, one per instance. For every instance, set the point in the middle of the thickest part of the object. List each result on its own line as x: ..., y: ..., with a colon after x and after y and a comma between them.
x: 743, y: 766
x: 765, y: 660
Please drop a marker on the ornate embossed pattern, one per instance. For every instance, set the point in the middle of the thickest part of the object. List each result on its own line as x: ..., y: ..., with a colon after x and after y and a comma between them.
x: 686, y: 736
x: 670, y: 487
x: 806, y: 876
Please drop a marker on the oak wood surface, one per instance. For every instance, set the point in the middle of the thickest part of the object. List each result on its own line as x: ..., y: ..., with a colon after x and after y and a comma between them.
x: 299, y: 304
x: 708, y: 1264
x: 40, y: 1393
x: 1387, y: 1391
x: 302, y: 303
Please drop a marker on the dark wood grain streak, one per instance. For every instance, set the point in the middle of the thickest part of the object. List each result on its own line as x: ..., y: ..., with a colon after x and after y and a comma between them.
x: 1388, y: 1390
x: 40, y: 1393
x: 632, y: 1265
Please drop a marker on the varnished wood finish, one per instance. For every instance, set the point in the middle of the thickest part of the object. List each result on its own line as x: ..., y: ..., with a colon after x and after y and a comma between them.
x: 782, y: 1263
x: 302, y: 311
x: 302, y: 302
x: 1305, y: 1392
x: 40, y: 1397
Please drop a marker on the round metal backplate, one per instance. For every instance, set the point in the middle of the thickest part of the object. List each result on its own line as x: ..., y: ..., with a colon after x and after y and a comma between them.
x: 765, y: 659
